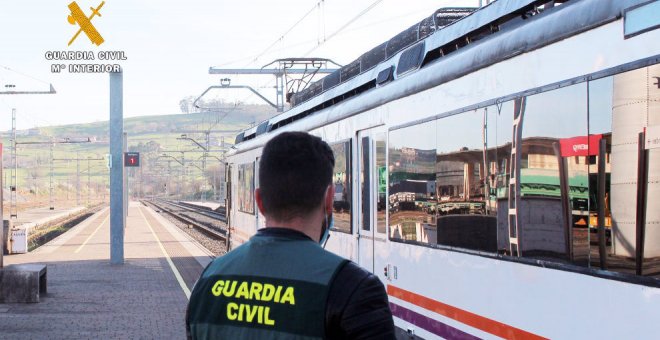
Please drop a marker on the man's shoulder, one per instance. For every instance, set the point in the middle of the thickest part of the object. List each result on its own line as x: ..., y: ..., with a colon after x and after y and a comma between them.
x: 268, y: 253
x: 288, y: 242
x: 228, y: 257
x: 351, y: 276
x: 353, y: 270
x: 353, y: 284
x: 330, y: 255
x: 236, y: 252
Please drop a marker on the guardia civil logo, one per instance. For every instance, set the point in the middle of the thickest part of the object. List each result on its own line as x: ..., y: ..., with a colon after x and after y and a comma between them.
x: 77, y: 59
x: 79, y: 18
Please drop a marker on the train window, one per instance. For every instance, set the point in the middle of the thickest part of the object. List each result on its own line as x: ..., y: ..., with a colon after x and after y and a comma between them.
x: 412, y: 174
x: 342, y: 183
x: 552, y: 211
x: 245, y: 192
x: 622, y: 217
x: 568, y: 176
x: 641, y: 18
x: 464, y: 217
x: 380, y: 172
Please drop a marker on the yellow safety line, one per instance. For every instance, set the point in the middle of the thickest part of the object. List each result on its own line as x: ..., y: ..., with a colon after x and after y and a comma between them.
x: 92, y: 234
x: 167, y: 257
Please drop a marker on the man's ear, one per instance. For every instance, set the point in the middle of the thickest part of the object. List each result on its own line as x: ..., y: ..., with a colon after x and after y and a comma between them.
x: 259, y: 199
x: 329, y: 199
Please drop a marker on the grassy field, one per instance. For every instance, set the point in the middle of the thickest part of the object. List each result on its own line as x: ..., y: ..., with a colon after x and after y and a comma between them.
x: 157, y: 138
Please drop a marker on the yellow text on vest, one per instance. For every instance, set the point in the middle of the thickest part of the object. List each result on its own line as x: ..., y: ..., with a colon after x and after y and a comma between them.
x: 252, y: 291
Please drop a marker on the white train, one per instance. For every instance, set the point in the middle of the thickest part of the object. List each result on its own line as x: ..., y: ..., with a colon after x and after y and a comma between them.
x: 499, y: 173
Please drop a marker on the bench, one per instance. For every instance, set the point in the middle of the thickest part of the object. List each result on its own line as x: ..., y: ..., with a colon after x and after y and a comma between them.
x: 23, y: 283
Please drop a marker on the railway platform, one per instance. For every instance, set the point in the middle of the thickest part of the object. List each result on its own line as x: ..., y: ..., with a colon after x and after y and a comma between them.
x: 38, y: 216
x: 28, y: 220
x: 87, y: 297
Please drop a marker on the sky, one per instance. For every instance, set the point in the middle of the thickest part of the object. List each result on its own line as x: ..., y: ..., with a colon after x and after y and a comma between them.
x: 170, y: 45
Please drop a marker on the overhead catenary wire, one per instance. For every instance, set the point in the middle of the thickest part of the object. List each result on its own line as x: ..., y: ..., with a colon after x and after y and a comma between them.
x: 34, y: 120
x: 348, y: 23
x: 310, y: 11
x: 337, y: 33
x: 23, y: 74
x: 354, y: 29
x: 321, y: 37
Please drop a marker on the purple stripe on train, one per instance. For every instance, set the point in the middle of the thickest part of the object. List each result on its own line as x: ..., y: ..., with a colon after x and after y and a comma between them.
x: 434, y: 326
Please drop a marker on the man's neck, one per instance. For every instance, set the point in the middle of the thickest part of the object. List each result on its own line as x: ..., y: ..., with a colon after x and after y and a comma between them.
x: 303, y: 225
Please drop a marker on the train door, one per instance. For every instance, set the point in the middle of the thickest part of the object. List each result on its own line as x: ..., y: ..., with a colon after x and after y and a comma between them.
x: 371, y: 184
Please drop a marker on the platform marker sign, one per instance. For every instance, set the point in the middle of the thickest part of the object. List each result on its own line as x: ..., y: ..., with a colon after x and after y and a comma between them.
x: 131, y: 159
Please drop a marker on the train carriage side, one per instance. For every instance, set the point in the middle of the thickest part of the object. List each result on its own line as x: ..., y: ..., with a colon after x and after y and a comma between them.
x: 504, y: 202
x: 244, y: 214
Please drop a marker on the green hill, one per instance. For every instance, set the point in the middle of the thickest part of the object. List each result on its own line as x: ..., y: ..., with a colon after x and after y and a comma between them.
x: 157, y: 138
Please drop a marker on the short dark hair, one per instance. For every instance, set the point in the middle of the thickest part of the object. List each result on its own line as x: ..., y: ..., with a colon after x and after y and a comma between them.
x: 294, y: 171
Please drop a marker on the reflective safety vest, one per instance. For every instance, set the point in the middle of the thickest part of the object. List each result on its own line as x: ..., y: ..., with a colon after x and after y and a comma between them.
x: 271, y: 287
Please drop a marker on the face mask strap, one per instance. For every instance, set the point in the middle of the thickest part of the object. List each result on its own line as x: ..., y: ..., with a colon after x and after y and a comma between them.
x: 325, y: 234
x: 329, y: 223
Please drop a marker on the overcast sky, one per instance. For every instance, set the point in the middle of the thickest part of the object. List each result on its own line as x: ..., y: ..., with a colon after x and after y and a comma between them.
x: 170, y: 46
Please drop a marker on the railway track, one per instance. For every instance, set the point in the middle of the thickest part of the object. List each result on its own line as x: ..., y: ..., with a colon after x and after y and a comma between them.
x: 218, y: 214
x: 221, y: 210
x: 210, y: 223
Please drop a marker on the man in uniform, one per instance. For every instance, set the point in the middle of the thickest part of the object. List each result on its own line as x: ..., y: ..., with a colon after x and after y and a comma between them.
x: 282, y: 283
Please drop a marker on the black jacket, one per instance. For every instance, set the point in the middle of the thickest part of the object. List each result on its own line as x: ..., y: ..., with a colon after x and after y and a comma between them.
x: 357, y: 306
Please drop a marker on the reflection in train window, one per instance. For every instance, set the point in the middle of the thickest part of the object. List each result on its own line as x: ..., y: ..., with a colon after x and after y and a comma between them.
x: 620, y: 108
x: 552, y: 176
x: 245, y: 192
x: 464, y: 216
x: 553, y: 212
x: 342, y: 182
x: 412, y: 172
x: 381, y: 176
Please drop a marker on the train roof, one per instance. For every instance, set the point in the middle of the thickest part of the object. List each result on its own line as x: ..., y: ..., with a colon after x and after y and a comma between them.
x: 438, y: 38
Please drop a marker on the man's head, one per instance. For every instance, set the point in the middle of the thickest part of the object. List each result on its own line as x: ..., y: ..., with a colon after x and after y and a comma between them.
x: 295, y: 172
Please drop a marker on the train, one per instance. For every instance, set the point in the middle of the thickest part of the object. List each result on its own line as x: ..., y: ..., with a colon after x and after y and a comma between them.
x: 496, y: 169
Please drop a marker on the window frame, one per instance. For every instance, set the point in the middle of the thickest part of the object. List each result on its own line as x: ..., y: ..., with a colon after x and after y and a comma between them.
x: 348, y: 143
x: 241, y: 171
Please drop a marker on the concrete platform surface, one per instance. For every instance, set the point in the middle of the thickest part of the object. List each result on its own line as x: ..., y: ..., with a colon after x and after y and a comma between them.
x: 87, y: 297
